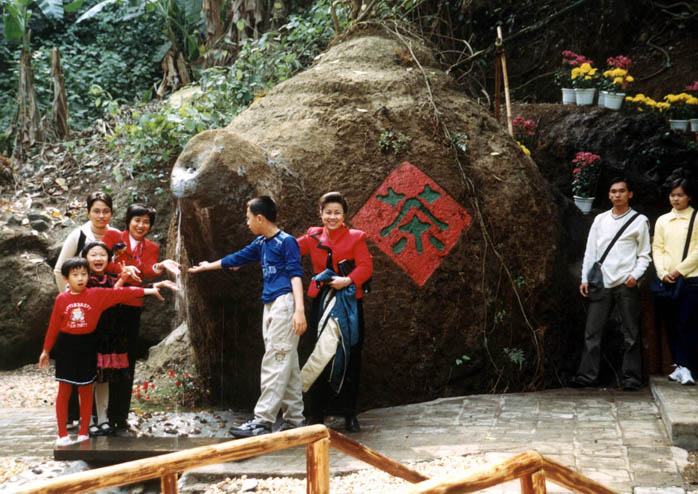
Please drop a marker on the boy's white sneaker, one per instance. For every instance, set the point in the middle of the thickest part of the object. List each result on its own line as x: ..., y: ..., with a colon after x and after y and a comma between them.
x: 63, y: 441
x: 82, y: 438
x: 676, y: 375
x: 686, y: 377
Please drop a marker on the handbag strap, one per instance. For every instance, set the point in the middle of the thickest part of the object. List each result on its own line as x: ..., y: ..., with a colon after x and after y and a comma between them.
x: 618, y: 234
x: 688, y: 236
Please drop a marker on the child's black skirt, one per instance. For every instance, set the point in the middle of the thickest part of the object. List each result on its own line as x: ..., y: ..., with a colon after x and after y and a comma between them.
x: 76, y: 358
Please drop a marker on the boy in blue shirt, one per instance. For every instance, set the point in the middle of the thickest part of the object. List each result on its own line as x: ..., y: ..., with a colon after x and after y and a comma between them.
x: 283, y: 320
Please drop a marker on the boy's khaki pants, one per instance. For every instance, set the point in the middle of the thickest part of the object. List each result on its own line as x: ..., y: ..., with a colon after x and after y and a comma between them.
x: 280, y: 379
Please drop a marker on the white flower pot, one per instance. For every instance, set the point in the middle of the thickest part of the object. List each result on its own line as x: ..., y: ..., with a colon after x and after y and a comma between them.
x: 694, y: 125
x: 568, y: 97
x: 680, y: 125
x: 584, y: 96
x: 602, y: 97
x: 613, y: 101
x: 583, y: 203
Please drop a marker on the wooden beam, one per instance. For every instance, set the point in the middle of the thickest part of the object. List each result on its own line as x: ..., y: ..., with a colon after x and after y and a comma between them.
x: 477, y: 479
x: 374, y: 458
x: 563, y: 476
x: 172, y: 463
x: 168, y: 483
x: 318, y: 467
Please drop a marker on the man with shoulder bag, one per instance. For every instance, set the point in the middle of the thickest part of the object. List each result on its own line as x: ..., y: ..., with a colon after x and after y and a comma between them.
x: 616, y: 256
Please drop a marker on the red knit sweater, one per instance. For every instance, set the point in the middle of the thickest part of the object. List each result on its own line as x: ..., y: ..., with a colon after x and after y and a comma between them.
x: 79, y: 314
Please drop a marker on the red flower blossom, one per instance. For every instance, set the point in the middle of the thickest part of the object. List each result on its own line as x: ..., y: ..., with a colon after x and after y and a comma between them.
x: 619, y: 62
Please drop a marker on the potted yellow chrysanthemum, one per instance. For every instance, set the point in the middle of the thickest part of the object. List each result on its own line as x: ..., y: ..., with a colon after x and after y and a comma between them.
x: 614, y: 82
x: 584, y: 81
x: 680, y: 108
x: 692, y: 89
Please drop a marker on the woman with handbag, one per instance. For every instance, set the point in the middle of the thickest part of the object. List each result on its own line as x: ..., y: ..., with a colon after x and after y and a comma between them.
x: 344, y: 251
x: 675, y: 255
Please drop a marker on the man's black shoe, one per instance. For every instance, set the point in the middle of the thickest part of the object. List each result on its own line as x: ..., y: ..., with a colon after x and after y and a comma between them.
x: 575, y: 382
x: 631, y: 387
x: 314, y: 419
x: 251, y: 428
x: 351, y: 423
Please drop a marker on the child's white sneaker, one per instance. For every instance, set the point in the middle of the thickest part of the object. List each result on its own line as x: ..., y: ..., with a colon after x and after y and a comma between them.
x: 686, y: 377
x: 676, y: 375
x: 63, y: 441
x: 82, y: 438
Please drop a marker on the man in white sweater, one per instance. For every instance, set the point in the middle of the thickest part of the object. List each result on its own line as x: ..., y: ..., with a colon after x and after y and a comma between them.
x: 625, y: 263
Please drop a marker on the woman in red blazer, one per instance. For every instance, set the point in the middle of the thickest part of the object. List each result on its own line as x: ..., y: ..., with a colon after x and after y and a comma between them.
x: 139, y: 256
x: 334, y: 246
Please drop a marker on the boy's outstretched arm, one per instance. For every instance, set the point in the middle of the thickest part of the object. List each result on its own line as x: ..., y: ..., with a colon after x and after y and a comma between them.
x: 205, y: 266
x: 298, y: 322
x: 156, y: 288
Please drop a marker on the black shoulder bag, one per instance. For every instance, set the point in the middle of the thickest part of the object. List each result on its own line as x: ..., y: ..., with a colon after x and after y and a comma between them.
x: 595, y: 276
x: 673, y: 290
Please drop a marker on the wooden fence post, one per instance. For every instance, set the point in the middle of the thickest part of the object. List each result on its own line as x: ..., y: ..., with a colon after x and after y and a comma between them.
x: 318, y: 467
x: 168, y: 483
x: 533, y: 483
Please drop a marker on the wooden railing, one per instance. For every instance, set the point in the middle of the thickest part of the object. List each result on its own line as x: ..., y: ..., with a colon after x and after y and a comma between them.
x: 532, y: 468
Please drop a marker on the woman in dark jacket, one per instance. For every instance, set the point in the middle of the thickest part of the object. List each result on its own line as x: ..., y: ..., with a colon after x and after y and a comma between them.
x: 343, y: 250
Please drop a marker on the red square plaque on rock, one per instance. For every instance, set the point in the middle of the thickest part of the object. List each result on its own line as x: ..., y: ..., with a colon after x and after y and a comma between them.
x: 413, y: 220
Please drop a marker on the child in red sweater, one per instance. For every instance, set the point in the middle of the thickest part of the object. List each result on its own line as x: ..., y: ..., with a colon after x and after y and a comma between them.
x: 73, y: 321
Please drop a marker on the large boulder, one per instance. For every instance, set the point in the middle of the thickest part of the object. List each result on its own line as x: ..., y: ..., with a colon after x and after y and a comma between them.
x: 462, y: 227
x: 26, y: 299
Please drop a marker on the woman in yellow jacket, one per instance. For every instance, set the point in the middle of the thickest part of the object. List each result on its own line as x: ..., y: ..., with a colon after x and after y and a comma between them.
x: 680, y: 315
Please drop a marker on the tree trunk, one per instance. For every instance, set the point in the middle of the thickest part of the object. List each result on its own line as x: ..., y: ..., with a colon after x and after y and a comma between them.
x: 214, y: 32
x: 28, y: 128
x: 59, y: 111
x: 175, y: 72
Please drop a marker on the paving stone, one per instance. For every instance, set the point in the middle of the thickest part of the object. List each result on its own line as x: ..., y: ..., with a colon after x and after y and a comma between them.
x: 659, y: 490
x: 615, y: 438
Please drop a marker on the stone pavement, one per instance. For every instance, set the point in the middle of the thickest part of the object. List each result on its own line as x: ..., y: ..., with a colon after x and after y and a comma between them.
x: 614, y: 437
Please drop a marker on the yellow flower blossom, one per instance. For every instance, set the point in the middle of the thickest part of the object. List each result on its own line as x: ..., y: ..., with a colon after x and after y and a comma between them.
x: 524, y: 148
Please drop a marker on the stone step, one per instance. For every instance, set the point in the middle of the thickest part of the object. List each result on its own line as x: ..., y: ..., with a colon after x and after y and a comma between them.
x: 111, y: 450
x: 678, y: 406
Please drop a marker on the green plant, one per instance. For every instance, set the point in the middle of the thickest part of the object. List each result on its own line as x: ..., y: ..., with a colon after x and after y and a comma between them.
x: 179, y: 389
x: 146, y: 136
x: 499, y: 316
x: 460, y: 140
x: 462, y: 359
x: 515, y: 355
x: 389, y: 141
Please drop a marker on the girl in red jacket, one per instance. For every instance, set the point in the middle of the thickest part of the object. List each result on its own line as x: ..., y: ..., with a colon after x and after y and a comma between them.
x: 343, y: 250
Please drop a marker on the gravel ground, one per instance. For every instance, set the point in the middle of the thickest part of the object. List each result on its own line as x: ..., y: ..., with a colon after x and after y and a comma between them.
x: 29, y: 387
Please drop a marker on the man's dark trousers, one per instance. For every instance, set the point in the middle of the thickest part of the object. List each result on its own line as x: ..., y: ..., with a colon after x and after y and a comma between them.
x: 628, y: 302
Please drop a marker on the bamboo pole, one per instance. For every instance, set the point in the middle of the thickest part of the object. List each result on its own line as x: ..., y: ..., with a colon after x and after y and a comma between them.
x: 480, y: 478
x: 507, y: 100
x: 374, y: 458
x: 318, y: 467
x: 497, y: 86
x: 563, y: 476
x: 160, y: 466
x: 168, y: 483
